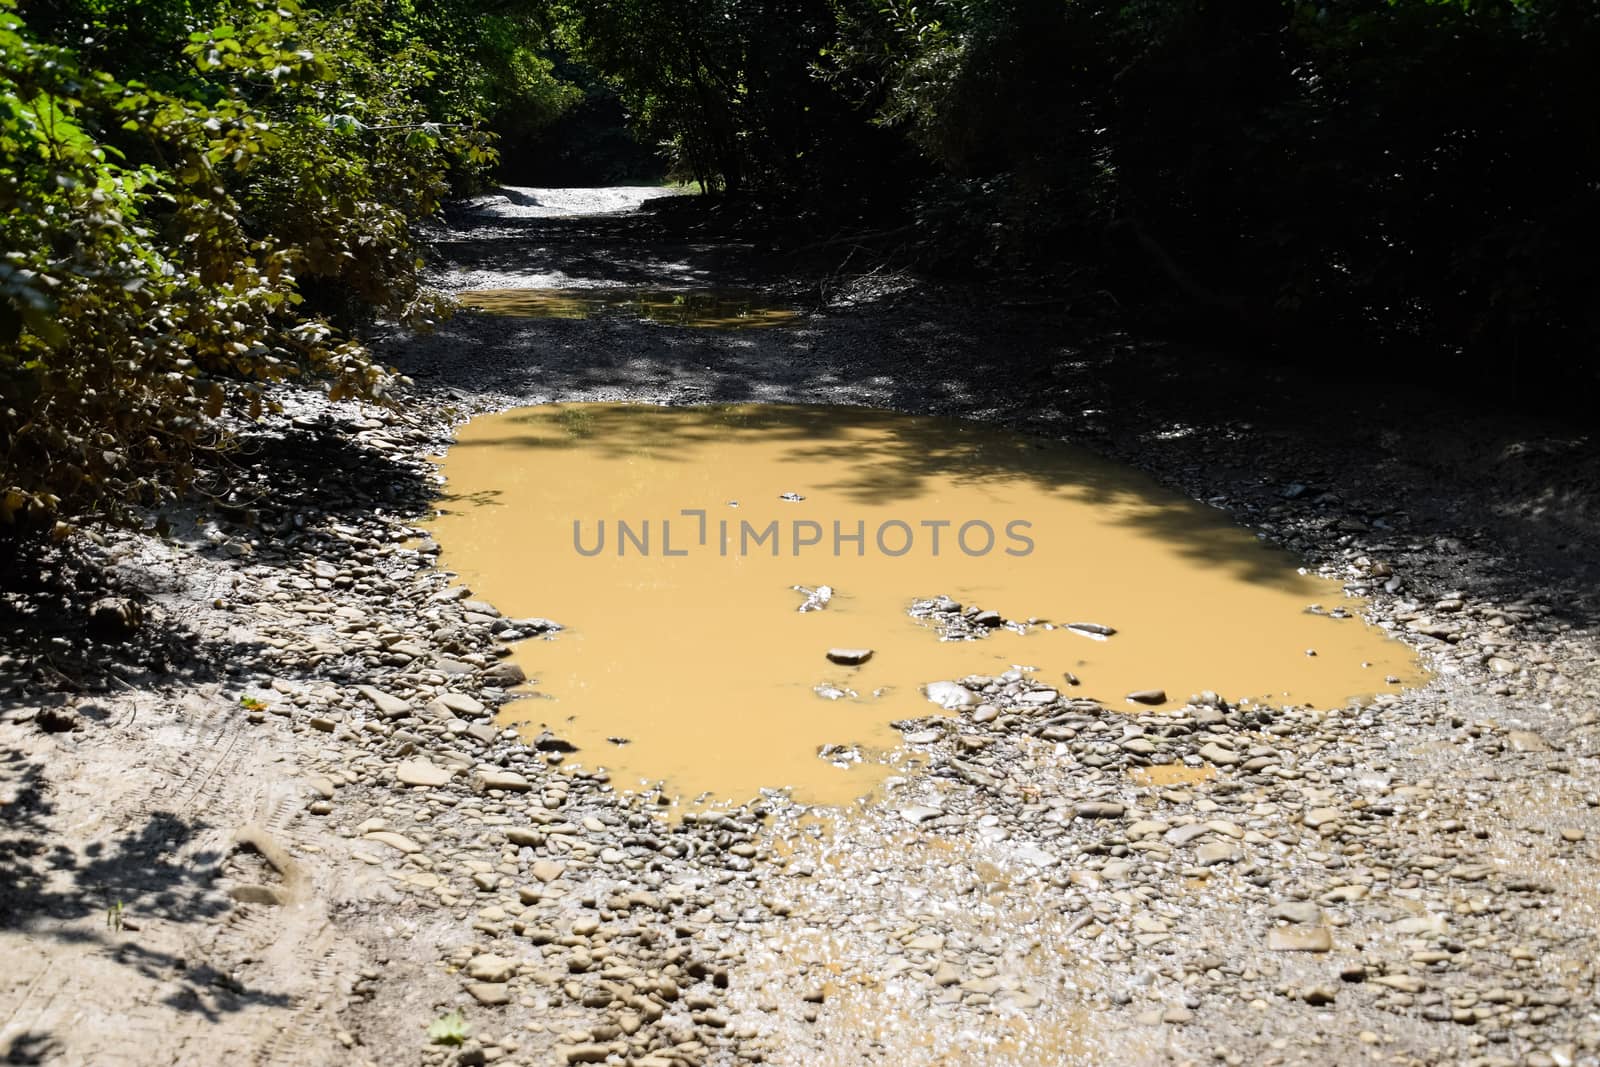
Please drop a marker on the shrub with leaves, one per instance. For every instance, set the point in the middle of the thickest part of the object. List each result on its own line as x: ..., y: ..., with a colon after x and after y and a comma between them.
x: 164, y: 253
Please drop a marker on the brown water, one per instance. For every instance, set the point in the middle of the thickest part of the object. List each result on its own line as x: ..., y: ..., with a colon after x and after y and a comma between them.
x: 697, y: 669
x: 723, y: 309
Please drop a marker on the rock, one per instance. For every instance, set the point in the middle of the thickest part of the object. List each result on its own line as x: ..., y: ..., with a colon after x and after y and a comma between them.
x: 115, y: 618
x: 946, y: 975
x: 489, y: 994
x: 504, y: 675
x: 586, y: 1053
x: 1300, y: 939
x: 849, y: 657
x: 1297, y: 911
x: 1215, y: 753
x: 950, y: 695
x: 399, y: 842
x: 421, y: 773
x: 1038, y: 857
x: 1177, y: 1014
x: 1148, y: 696
x: 1405, y: 983
x: 1526, y: 741
x: 388, y: 705
x: 510, y: 781
x: 920, y: 813
x: 549, y: 742
x: 548, y: 870
x: 491, y: 968
x: 1182, y: 835
x: 461, y: 704
x: 1572, y: 833
x: 1214, y: 852
x: 1094, y: 629
x: 816, y: 599
x: 1320, y: 817
x: 1099, y: 809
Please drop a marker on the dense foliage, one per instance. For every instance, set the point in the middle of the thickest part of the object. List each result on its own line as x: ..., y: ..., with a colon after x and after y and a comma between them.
x: 1374, y: 176
x: 1413, y: 175
x: 210, y: 214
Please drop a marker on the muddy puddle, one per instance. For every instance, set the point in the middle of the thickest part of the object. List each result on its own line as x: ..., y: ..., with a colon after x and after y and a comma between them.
x: 678, y: 546
x: 717, y: 309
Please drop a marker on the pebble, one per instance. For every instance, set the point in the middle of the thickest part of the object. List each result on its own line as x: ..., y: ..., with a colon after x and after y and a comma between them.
x: 387, y: 704
x: 421, y: 773
x: 1300, y: 939
x: 950, y: 695
x: 491, y: 968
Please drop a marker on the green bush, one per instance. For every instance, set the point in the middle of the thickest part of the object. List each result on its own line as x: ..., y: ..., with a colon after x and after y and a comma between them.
x: 166, y: 251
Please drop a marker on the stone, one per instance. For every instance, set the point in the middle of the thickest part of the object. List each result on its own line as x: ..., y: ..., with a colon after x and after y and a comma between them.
x: 1320, y: 817
x: 946, y: 975
x: 491, y: 968
x: 849, y: 657
x: 1099, y: 809
x: 1038, y: 857
x: 422, y: 773
x: 489, y: 994
x: 548, y: 870
x: 504, y: 675
x: 950, y: 695
x: 1297, y: 911
x: 1215, y: 753
x: 399, y: 842
x: 1214, y: 852
x: 388, y: 705
x: 1148, y: 696
x: 510, y: 781
x: 1182, y: 835
x: 463, y: 705
x: 1094, y: 629
x: 920, y: 813
x: 1300, y: 939
x: 1526, y: 741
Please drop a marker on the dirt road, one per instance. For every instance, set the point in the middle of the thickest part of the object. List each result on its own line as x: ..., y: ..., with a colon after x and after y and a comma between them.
x: 262, y: 813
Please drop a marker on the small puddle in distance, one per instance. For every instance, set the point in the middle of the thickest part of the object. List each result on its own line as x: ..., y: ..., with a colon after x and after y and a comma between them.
x: 698, y: 670
x: 716, y: 309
